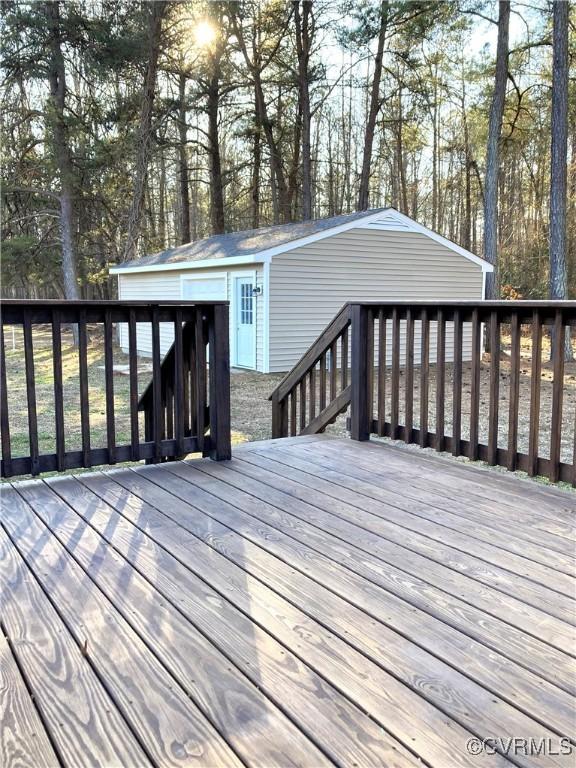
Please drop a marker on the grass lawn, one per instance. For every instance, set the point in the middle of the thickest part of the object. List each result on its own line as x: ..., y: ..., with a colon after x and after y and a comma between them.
x: 251, y: 409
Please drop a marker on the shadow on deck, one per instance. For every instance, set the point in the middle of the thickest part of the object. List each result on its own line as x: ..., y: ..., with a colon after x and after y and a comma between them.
x: 313, y: 601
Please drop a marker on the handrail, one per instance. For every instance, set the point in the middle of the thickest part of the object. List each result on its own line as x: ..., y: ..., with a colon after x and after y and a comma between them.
x: 301, y: 381
x: 410, y: 362
x: 169, y: 431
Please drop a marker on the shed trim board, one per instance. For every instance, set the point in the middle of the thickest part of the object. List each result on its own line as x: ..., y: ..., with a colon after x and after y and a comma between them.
x: 305, y: 281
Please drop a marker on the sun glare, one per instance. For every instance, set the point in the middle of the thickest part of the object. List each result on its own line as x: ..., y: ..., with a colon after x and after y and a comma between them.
x: 204, y: 33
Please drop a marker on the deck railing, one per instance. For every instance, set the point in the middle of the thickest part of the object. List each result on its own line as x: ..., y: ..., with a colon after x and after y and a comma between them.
x: 186, y: 405
x: 416, y: 372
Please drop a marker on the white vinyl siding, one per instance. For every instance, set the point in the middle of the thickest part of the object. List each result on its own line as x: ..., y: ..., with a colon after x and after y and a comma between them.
x: 156, y: 286
x: 309, y: 285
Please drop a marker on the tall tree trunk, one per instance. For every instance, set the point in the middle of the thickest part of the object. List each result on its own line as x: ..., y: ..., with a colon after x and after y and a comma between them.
x: 493, y: 151
x: 558, y: 163
x: 278, y: 176
x: 295, y: 162
x: 302, y: 22
x: 61, y: 148
x: 255, y: 184
x: 157, y: 11
x: 183, y: 179
x: 364, y: 190
x: 216, y: 180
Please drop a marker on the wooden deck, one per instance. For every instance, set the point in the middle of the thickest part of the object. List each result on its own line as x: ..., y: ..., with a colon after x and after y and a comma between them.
x: 312, y: 602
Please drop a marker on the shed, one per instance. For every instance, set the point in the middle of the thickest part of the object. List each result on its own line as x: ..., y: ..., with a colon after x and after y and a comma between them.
x: 285, y: 283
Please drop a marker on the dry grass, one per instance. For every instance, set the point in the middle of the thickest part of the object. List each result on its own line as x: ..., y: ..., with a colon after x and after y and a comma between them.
x: 251, y: 410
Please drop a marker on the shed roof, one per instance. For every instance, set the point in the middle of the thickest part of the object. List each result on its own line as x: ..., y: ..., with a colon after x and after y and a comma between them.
x: 247, y: 242
x: 259, y: 245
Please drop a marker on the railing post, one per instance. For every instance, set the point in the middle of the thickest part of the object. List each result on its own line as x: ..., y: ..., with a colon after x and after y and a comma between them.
x: 279, y: 416
x: 218, y: 338
x: 360, y: 418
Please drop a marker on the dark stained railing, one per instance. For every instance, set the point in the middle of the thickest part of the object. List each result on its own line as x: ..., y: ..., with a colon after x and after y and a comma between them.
x: 186, y: 405
x: 417, y: 374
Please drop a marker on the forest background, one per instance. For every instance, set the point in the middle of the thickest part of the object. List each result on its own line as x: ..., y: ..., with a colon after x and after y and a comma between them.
x: 131, y: 127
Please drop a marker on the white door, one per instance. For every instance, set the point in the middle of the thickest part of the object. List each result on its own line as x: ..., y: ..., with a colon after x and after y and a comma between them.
x: 244, y: 323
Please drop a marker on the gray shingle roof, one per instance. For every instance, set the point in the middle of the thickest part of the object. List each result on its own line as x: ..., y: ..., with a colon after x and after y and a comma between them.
x: 245, y: 243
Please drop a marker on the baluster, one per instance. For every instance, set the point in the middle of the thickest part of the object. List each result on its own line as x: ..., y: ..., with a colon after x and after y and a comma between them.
x: 344, y: 358
x: 58, y: 394
x: 169, y: 409
x: 31, y: 395
x: 187, y: 390
x: 109, y: 383
x: 178, y: 383
x: 440, y: 378
x: 293, y: 412
x: 199, y: 373
x: 312, y: 385
x: 370, y: 364
x: 494, y: 388
x: 381, y: 372
x: 303, y: 404
x: 84, y: 390
x: 333, y: 370
x: 4, y: 414
x: 475, y: 386
x: 409, y: 380
x: 514, y: 394
x: 424, y: 377
x: 322, y: 381
x: 557, y: 396
x: 535, y: 381
x: 133, y: 361
x: 395, y: 379
x: 457, y: 386
x: 157, y: 403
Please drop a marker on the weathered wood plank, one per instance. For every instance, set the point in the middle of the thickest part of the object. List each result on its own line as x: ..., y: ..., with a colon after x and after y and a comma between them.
x: 171, y: 728
x: 24, y: 742
x: 339, y: 610
x: 487, y: 589
x: 376, y: 687
x: 254, y: 610
x: 85, y: 725
x: 331, y: 535
x: 247, y: 719
x: 433, y: 523
x: 465, y: 497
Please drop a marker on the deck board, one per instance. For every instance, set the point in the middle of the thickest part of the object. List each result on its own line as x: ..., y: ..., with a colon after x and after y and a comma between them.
x: 313, y: 601
x: 352, y: 505
x: 351, y: 525
x: 84, y: 724
x: 25, y: 741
